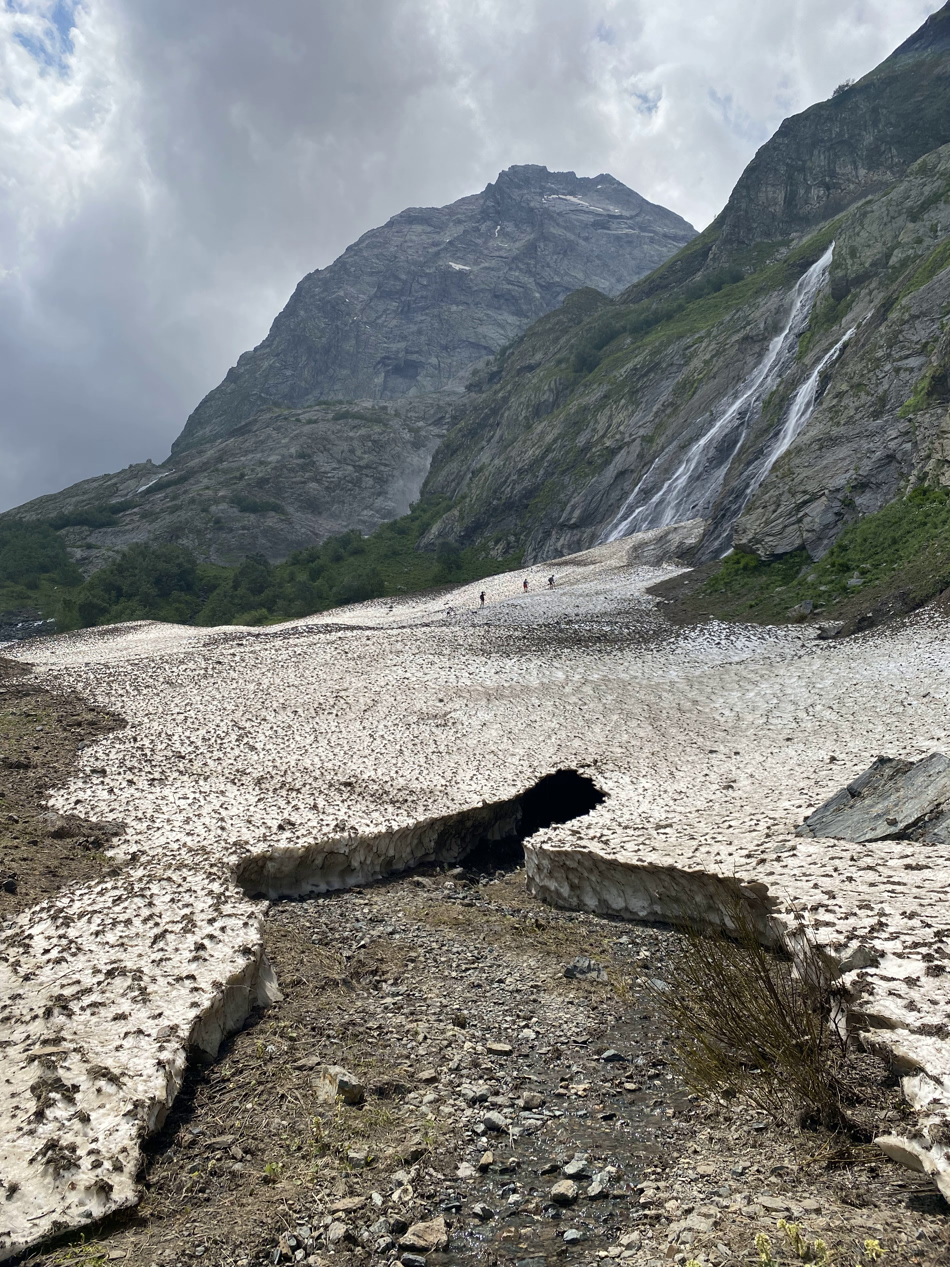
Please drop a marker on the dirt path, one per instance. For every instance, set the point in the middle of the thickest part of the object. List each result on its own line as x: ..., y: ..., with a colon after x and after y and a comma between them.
x: 490, y: 1077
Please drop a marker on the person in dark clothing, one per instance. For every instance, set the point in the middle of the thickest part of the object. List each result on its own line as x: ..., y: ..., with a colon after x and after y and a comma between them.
x: 551, y: 582
x: 481, y: 599
x: 524, y: 585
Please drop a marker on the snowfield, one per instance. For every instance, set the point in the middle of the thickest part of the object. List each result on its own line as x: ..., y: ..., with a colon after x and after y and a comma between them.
x: 318, y: 753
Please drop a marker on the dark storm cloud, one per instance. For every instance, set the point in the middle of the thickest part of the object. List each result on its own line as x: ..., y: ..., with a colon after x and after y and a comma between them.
x: 170, y: 170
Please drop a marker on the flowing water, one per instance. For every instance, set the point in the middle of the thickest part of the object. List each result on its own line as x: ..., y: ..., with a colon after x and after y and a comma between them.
x: 800, y: 410
x: 693, y: 487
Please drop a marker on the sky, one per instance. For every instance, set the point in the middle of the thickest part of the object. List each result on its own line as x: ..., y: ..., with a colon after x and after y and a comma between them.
x: 170, y: 170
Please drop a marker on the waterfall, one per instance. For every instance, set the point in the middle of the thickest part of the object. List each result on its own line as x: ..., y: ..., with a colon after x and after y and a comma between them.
x: 696, y: 482
x: 800, y: 410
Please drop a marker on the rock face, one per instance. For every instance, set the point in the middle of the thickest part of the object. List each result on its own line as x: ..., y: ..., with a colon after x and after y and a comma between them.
x: 411, y: 306
x: 331, y: 422
x: 286, y: 481
x: 784, y: 374
x: 892, y: 800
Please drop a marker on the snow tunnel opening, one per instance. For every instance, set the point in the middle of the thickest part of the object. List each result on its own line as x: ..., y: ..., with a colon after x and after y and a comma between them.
x: 555, y: 798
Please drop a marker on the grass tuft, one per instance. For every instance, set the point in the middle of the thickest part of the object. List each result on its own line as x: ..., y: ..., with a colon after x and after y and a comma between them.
x: 755, y: 1023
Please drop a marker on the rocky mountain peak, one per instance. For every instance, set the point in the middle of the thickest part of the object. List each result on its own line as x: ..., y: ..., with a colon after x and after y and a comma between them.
x: 410, y: 307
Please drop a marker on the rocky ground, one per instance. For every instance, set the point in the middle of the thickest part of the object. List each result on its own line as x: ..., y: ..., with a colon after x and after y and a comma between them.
x: 515, y: 1097
x: 41, y: 732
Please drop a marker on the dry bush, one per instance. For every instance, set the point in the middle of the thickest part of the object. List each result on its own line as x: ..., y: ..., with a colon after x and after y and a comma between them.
x: 755, y: 1022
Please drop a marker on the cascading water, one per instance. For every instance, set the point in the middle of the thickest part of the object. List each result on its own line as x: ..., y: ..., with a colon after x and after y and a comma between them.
x: 800, y: 410
x: 695, y: 484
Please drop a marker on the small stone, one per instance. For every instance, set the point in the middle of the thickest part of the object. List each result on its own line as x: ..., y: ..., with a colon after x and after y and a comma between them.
x: 336, y: 1232
x: 577, y: 1169
x: 572, y: 1235
x: 357, y: 1157
x: 499, y: 1049
x: 494, y: 1122
x: 466, y: 1171
x: 426, y: 1237
x: 412, y: 1260
x: 427, y: 1075
x: 564, y: 1193
x: 482, y: 1211
x: 413, y: 1149
x: 584, y: 966
x: 612, y: 1057
x: 775, y: 1204
x: 597, y: 1189
x: 333, y: 1081
x: 486, y: 1160
x: 347, y: 1204
x: 811, y: 1207
x: 532, y: 1100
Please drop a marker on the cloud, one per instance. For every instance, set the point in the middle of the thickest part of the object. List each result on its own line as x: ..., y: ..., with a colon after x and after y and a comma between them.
x: 169, y: 171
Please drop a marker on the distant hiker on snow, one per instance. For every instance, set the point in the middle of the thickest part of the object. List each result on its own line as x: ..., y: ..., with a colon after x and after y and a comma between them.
x: 524, y: 585
x: 481, y: 598
x: 550, y: 582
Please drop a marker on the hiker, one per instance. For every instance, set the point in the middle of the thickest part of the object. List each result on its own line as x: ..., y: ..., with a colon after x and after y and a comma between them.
x: 524, y: 585
x: 550, y: 582
x: 481, y: 599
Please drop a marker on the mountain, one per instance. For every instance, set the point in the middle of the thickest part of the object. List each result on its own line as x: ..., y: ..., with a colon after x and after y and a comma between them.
x: 781, y: 376
x: 330, y: 423
x: 411, y: 306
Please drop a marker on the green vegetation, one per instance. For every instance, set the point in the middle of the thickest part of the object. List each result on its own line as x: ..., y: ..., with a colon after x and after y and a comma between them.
x: 99, y: 516
x: 144, y: 583
x: 899, y: 556
x: 250, y: 505
x: 936, y: 262
x: 34, y: 564
x: 702, y: 301
x: 166, y: 582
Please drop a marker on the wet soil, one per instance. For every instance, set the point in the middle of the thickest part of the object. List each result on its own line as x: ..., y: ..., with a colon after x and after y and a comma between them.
x: 504, y: 1048
x: 41, y: 733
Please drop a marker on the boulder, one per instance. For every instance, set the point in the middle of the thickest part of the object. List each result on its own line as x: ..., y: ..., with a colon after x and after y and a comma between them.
x: 893, y: 799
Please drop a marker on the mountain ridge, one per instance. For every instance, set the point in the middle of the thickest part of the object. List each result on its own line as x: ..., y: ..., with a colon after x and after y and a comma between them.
x: 318, y: 431
x: 568, y: 428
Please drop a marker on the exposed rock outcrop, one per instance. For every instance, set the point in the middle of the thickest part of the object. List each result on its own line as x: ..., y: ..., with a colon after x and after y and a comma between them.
x: 411, y: 306
x: 892, y: 800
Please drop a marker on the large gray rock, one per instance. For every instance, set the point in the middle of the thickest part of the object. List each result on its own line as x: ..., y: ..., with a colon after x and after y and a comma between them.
x: 892, y: 799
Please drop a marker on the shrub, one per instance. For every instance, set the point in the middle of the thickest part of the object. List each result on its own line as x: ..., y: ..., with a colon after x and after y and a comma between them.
x: 755, y: 1022
x: 249, y: 505
x: 359, y: 586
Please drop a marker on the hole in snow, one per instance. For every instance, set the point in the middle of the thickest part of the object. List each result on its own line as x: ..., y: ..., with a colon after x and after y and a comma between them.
x: 557, y: 798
